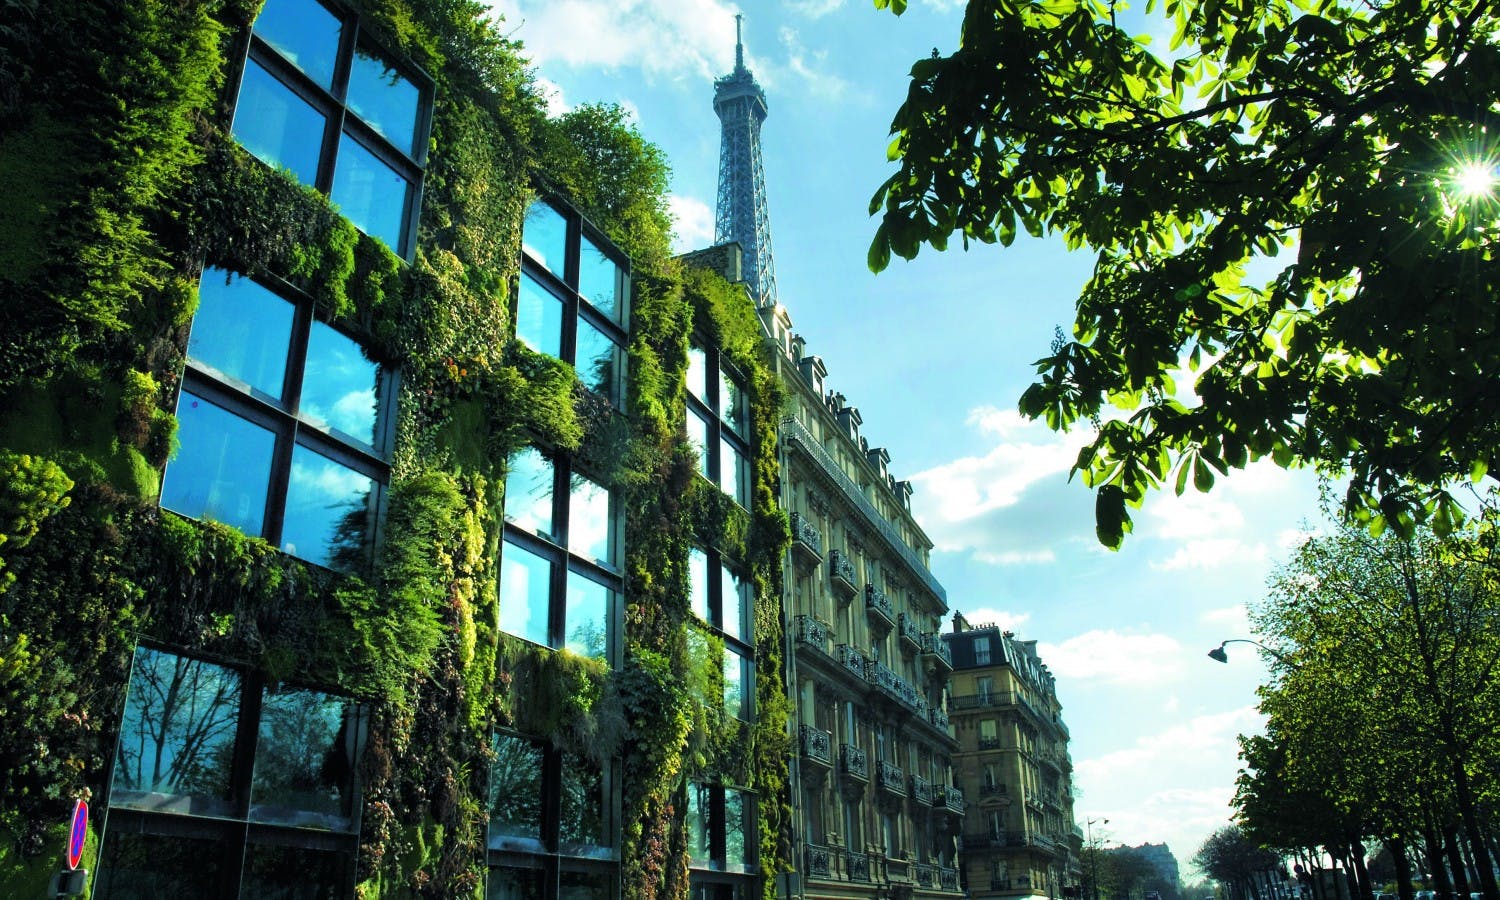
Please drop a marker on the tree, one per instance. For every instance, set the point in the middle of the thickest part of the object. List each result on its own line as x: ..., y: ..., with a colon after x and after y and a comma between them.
x: 1381, y: 714
x: 1230, y: 857
x: 1359, y: 138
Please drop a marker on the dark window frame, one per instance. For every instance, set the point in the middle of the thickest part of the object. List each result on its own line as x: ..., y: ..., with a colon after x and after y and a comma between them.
x: 575, y: 307
x: 332, y: 103
x: 284, y: 420
x: 707, y: 410
x: 554, y: 549
x: 234, y: 834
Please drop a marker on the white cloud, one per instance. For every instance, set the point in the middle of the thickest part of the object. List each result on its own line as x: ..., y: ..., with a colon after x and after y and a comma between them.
x: 1111, y: 657
x: 1194, y: 515
x: 552, y: 93
x: 1210, y: 554
x: 668, y: 39
x: 693, y: 222
x: 1005, y: 619
x: 814, y: 9
x: 810, y: 67
x: 1232, y: 618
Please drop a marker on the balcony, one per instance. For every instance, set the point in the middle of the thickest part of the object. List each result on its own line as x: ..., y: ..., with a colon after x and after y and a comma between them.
x: 807, y: 541
x: 948, y: 879
x: 854, y: 762
x: 990, y: 790
x: 989, y: 743
x: 884, y: 679
x: 841, y: 575
x: 859, y: 867
x: 812, y: 632
x: 983, y: 841
x: 817, y: 745
x: 911, y: 634
x: 939, y: 719
x: 921, y: 790
x: 819, y: 861
x: 953, y: 800
x: 924, y: 875
x: 852, y: 660
x: 890, y: 778
x: 936, y: 652
x: 882, y: 613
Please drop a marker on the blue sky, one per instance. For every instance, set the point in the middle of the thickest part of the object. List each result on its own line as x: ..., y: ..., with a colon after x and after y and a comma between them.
x: 935, y: 353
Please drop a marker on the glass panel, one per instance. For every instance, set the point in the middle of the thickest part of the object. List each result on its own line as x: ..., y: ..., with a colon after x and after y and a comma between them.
x: 528, y: 492
x: 731, y: 615
x: 601, y: 282
x: 177, y: 735
x: 149, y: 866
x: 385, y: 99
x: 525, y: 589
x: 734, y: 685
x: 732, y: 472
x: 698, y: 583
x: 697, y: 434
x: 589, y: 533
x: 697, y: 374
x: 514, y: 884
x: 581, y: 824
x: 544, y: 237
x: 370, y: 193
x: 583, y: 886
x: 305, y: 756
x: 296, y: 873
x: 515, y: 791
x: 330, y: 513
x: 242, y: 330
x: 539, y: 318
x: 698, y: 806
x: 278, y: 126
x: 586, y: 619
x: 597, y: 361
x: 222, y: 467
x: 340, y: 386
x: 732, y: 406
x: 303, y: 32
x: 734, y: 830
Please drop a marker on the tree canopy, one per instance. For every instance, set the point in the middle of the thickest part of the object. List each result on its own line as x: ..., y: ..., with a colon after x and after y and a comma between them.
x: 1293, y: 203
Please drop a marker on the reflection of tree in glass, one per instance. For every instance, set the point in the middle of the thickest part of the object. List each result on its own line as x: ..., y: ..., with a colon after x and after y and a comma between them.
x: 588, y: 638
x: 734, y: 828
x: 516, y: 788
x: 582, y: 819
x: 179, y: 725
x: 349, y: 546
x: 302, y: 759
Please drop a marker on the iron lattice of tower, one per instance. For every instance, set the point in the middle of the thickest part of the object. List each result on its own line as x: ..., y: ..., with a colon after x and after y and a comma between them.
x: 743, y: 214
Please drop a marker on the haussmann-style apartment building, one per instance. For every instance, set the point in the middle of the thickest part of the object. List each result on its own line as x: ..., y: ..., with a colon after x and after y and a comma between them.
x: 1019, y: 838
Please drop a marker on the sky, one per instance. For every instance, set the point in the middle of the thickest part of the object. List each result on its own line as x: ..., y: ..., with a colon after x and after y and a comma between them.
x: 936, y: 353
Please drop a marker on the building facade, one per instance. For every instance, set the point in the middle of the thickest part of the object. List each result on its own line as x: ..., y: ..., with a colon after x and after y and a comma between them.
x: 369, y: 526
x: 1020, y: 839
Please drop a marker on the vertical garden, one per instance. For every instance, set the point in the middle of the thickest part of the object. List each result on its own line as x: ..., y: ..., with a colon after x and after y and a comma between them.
x: 124, y: 182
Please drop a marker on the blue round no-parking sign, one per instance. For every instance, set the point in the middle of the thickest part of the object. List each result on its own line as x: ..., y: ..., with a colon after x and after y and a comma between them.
x: 78, y: 833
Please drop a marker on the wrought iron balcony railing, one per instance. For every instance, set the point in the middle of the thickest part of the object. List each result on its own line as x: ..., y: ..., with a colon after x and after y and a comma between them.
x: 817, y: 744
x: 854, y: 762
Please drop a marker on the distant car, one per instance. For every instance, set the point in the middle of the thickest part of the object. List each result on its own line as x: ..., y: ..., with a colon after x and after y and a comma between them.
x: 1426, y: 895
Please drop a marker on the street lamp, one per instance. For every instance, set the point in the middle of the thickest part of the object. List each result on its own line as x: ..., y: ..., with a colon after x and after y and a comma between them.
x: 1218, y: 653
x: 1093, y: 857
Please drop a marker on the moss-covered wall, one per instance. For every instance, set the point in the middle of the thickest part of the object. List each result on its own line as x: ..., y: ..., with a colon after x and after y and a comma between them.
x: 122, y: 183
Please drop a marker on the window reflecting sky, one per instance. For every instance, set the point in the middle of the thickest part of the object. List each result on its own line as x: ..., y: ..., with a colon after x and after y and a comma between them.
x: 545, y: 238
x: 698, y: 580
x: 178, y: 730
x: 596, y: 360
x: 278, y: 126
x: 338, y: 387
x: 242, y: 330
x: 539, y: 318
x: 328, y: 513
x: 729, y: 602
x: 305, y: 33
x: 525, y: 587
x: 222, y: 467
x: 385, y: 99
x: 370, y: 193
x: 589, y: 532
x: 586, y: 617
x: 600, y: 281
x: 528, y: 492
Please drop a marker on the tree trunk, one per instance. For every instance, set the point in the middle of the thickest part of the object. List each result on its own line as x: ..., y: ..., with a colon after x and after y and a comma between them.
x: 1456, y: 864
x: 1361, y: 872
x: 1402, y: 863
x: 1435, y: 864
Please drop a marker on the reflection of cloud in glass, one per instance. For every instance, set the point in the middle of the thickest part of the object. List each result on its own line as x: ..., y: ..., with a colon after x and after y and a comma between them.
x: 528, y: 492
x: 697, y: 433
x: 698, y: 580
x: 587, y: 617
x: 329, y: 481
x: 732, y: 683
x: 588, y: 521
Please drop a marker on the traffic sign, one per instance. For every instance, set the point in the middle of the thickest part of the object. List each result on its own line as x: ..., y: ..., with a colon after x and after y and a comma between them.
x: 78, y: 833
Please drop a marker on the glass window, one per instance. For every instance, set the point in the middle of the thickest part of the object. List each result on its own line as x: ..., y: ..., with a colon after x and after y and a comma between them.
x: 699, y: 805
x: 525, y: 592
x: 515, y: 791
x: 697, y: 373
x: 528, y: 492
x: 296, y: 873
x: 697, y: 434
x: 222, y: 470
x: 731, y: 612
x: 583, y: 886
x: 732, y: 408
x: 276, y: 125
x: 732, y: 471
x: 282, y: 120
x: 601, y: 281
x: 304, y: 760
x: 261, y: 371
x: 590, y: 531
x: 507, y: 883
x: 385, y: 99
x: 539, y: 316
x: 734, y: 830
x: 698, y: 584
x: 370, y: 193
x: 574, y: 311
x: 305, y: 33
x: 734, y: 685
x: 586, y: 618
x: 156, y: 865
x: 718, y: 414
x: 339, y: 386
x: 177, y: 736
x: 242, y: 331
x: 581, y: 827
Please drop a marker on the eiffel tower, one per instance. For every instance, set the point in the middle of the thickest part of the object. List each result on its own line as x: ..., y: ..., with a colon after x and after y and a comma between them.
x: 742, y: 213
